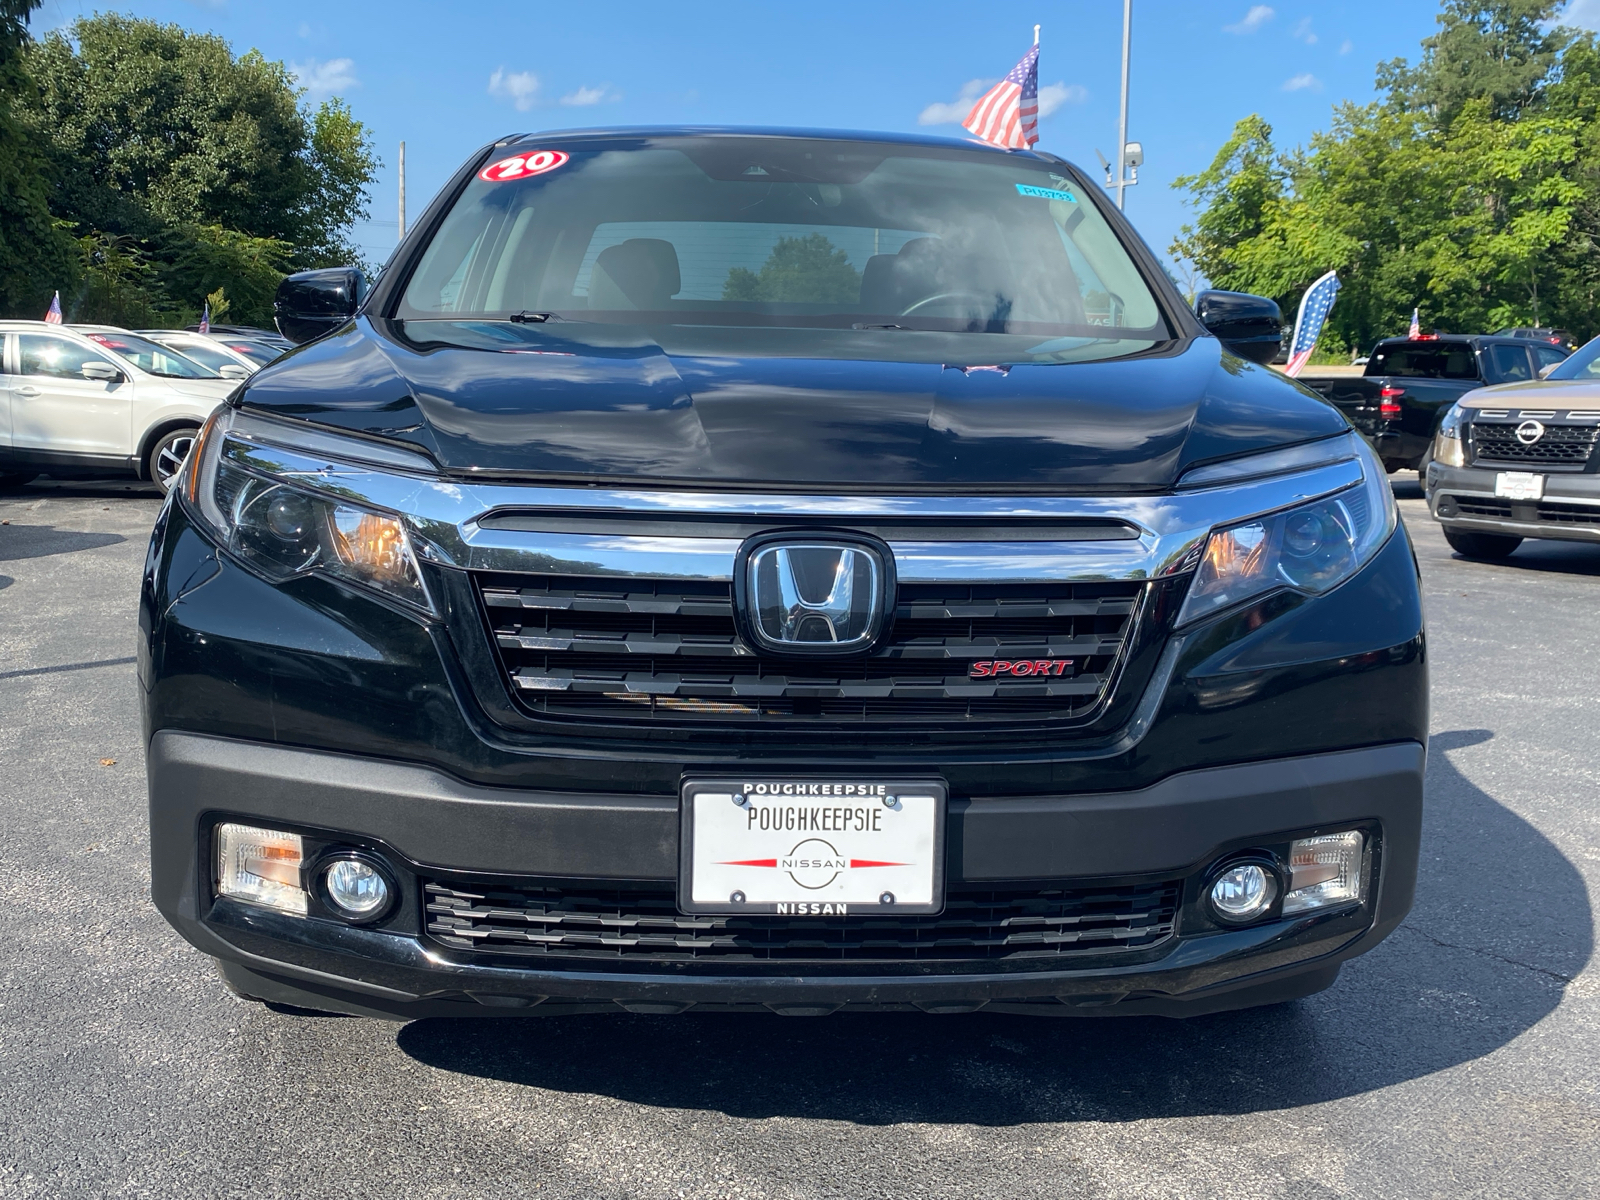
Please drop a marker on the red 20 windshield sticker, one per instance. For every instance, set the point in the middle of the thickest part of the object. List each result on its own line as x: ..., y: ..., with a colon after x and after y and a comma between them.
x: 521, y: 166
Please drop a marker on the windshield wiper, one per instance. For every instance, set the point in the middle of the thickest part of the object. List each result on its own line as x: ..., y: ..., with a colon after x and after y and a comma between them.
x: 860, y: 325
x: 532, y: 318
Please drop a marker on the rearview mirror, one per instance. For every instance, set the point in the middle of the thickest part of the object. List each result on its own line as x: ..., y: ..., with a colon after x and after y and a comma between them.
x: 1249, y: 326
x: 104, y: 372
x: 312, y: 303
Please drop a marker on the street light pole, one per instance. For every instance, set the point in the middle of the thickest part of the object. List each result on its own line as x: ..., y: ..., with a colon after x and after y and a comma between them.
x: 402, y: 191
x: 1122, y: 124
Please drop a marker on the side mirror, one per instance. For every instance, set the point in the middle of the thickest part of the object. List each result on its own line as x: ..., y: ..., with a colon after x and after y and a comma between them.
x: 103, y: 372
x: 1547, y: 368
x: 1249, y: 326
x: 312, y: 303
x: 233, y: 371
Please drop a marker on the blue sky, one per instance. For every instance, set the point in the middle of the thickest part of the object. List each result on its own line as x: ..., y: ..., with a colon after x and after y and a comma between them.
x: 448, y: 77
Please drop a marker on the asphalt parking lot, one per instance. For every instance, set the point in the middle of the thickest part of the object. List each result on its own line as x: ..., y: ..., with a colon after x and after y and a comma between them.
x: 1459, y: 1059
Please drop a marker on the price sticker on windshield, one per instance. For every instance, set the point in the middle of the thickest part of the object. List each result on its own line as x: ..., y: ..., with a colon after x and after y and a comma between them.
x: 522, y: 166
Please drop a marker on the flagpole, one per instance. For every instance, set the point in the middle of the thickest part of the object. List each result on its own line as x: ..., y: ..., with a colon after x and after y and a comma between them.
x: 1122, y: 124
x: 402, y: 191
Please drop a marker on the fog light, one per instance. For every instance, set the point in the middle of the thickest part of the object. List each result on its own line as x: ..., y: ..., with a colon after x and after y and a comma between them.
x: 1324, y: 871
x: 261, y: 866
x: 1244, y: 892
x: 355, y: 888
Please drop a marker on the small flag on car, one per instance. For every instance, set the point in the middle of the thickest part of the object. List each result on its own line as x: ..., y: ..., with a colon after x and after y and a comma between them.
x: 53, y: 315
x: 1007, y: 115
x: 205, y: 317
x: 1314, y: 306
x: 1416, y: 323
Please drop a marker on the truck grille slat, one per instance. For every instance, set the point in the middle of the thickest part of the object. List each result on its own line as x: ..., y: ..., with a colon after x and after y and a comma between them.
x: 634, y: 649
x: 641, y: 922
x: 1562, y: 447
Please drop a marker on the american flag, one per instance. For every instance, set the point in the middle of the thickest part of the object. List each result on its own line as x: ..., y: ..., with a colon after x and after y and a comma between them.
x: 1416, y: 323
x: 53, y: 316
x: 1007, y: 115
x: 1314, y: 306
x: 205, y: 317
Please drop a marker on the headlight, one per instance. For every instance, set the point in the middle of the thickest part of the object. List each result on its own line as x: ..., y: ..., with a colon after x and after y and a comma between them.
x: 1311, y: 548
x: 282, y: 524
x: 1448, y: 450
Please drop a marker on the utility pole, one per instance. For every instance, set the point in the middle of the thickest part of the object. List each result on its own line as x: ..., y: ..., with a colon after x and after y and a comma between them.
x: 1122, y: 124
x: 403, y: 164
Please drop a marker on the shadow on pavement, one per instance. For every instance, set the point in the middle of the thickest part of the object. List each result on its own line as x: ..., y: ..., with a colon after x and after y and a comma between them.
x: 41, y: 541
x: 1544, y: 555
x: 1501, y: 924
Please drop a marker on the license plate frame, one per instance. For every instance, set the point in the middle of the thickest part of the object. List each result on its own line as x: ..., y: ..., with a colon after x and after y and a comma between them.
x: 1519, y: 485
x: 918, y: 820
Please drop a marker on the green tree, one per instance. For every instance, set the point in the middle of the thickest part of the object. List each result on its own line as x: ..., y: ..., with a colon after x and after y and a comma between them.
x: 799, y: 270
x: 1500, y: 52
x: 1471, y: 190
x: 209, y: 162
x: 36, y: 256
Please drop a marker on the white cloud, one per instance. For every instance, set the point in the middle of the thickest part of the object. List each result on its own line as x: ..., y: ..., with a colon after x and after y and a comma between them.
x: 1051, y: 97
x: 1346, y: 46
x: 956, y: 110
x: 1054, y: 95
x: 1301, y: 83
x: 590, y: 95
x: 324, y: 79
x: 1258, y: 16
x: 1585, y: 14
x: 1302, y: 32
x: 519, y: 87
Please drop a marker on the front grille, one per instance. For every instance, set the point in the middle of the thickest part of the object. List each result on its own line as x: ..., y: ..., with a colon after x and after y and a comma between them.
x: 1550, y: 512
x: 642, y: 648
x: 1483, y: 506
x: 642, y: 922
x: 1561, y: 447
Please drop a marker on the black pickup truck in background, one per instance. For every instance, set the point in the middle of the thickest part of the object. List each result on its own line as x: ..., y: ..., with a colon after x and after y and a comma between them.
x: 1410, y: 383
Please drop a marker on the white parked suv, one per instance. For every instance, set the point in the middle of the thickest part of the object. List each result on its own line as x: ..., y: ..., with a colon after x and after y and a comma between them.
x: 92, y: 399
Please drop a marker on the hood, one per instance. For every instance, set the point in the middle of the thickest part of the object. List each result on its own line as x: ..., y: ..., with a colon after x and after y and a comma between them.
x: 1580, y: 394
x: 580, y: 402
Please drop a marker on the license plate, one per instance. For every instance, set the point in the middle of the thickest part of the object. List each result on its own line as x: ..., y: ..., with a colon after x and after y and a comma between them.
x: 1519, y: 485
x: 827, y: 847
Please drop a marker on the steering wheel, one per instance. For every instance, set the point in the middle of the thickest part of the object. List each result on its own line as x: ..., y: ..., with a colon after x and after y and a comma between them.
x: 924, y: 303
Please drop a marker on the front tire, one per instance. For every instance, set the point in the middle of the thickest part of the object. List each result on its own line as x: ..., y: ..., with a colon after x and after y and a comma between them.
x: 1481, y: 545
x: 167, y: 456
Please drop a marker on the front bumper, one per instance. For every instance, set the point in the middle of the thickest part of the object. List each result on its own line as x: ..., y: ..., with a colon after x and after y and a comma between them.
x: 1463, y: 498
x: 425, y: 820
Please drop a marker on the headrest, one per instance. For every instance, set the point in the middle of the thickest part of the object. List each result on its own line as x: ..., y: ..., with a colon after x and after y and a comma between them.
x: 640, y: 273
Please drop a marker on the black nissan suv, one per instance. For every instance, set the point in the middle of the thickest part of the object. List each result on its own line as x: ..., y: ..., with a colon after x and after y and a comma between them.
x: 744, y: 569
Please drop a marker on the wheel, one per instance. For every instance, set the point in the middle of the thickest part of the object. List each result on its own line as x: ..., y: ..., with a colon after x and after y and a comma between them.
x: 1481, y: 545
x: 167, y: 456
x: 11, y: 480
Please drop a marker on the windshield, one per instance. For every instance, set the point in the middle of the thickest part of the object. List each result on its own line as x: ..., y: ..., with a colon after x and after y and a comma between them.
x: 1583, y: 364
x: 257, y: 352
x: 208, y: 356
x: 1425, y: 360
x: 1003, y: 254
x: 152, y: 357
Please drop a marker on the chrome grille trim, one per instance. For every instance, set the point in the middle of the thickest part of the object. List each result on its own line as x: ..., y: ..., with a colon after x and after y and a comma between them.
x: 444, y: 517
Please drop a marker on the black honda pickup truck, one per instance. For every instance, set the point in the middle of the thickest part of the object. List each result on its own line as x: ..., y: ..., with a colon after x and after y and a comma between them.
x: 1410, y: 383
x: 775, y: 570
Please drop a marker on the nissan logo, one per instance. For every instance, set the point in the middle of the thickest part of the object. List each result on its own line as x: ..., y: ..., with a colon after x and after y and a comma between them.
x: 813, y: 595
x: 1529, y: 432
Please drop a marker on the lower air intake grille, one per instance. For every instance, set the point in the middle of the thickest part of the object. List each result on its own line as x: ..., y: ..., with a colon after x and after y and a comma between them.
x: 637, y: 649
x: 1560, y: 447
x: 640, y: 923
